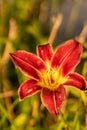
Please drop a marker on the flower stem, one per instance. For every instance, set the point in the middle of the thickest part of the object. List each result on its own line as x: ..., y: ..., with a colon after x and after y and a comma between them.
x: 55, y: 28
x: 82, y: 37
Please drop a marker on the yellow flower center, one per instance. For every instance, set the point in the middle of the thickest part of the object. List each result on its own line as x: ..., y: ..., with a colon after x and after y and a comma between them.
x: 51, y: 79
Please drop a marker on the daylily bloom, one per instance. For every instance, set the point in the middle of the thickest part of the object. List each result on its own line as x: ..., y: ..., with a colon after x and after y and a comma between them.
x: 50, y: 72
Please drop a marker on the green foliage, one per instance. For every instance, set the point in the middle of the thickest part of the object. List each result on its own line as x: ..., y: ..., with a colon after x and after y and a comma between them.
x: 23, y: 25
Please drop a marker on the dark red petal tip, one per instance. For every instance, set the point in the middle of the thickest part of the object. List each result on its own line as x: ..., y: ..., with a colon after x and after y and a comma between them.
x: 76, y: 80
x: 45, y: 52
x: 24, y: 65
x: 67, y: 56
x: 30, y: 58
x: 28, y: 88
x: 52, y: 100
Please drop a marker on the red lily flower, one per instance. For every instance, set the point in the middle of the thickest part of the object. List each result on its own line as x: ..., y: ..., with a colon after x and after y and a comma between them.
x: 50, y: 72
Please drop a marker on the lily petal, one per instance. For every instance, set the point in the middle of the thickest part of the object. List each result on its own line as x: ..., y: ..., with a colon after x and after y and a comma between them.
x: 67, y: 56
x: 45, y: 52
x: 30, y: 58
x: 25, y: 67
x: 53, y: 99
x: 76, y: 80
x: 28, y: 88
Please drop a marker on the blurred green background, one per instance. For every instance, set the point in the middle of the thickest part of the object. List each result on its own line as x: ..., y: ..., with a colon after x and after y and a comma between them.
x: 24, y: 24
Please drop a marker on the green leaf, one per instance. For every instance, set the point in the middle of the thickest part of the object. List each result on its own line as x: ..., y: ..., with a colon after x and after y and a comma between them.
x: 84, y: 71
x: 84, y: 54
x: 19, y: 122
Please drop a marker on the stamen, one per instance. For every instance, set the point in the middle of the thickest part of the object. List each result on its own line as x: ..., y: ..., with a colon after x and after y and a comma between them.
x: 51, y: 79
